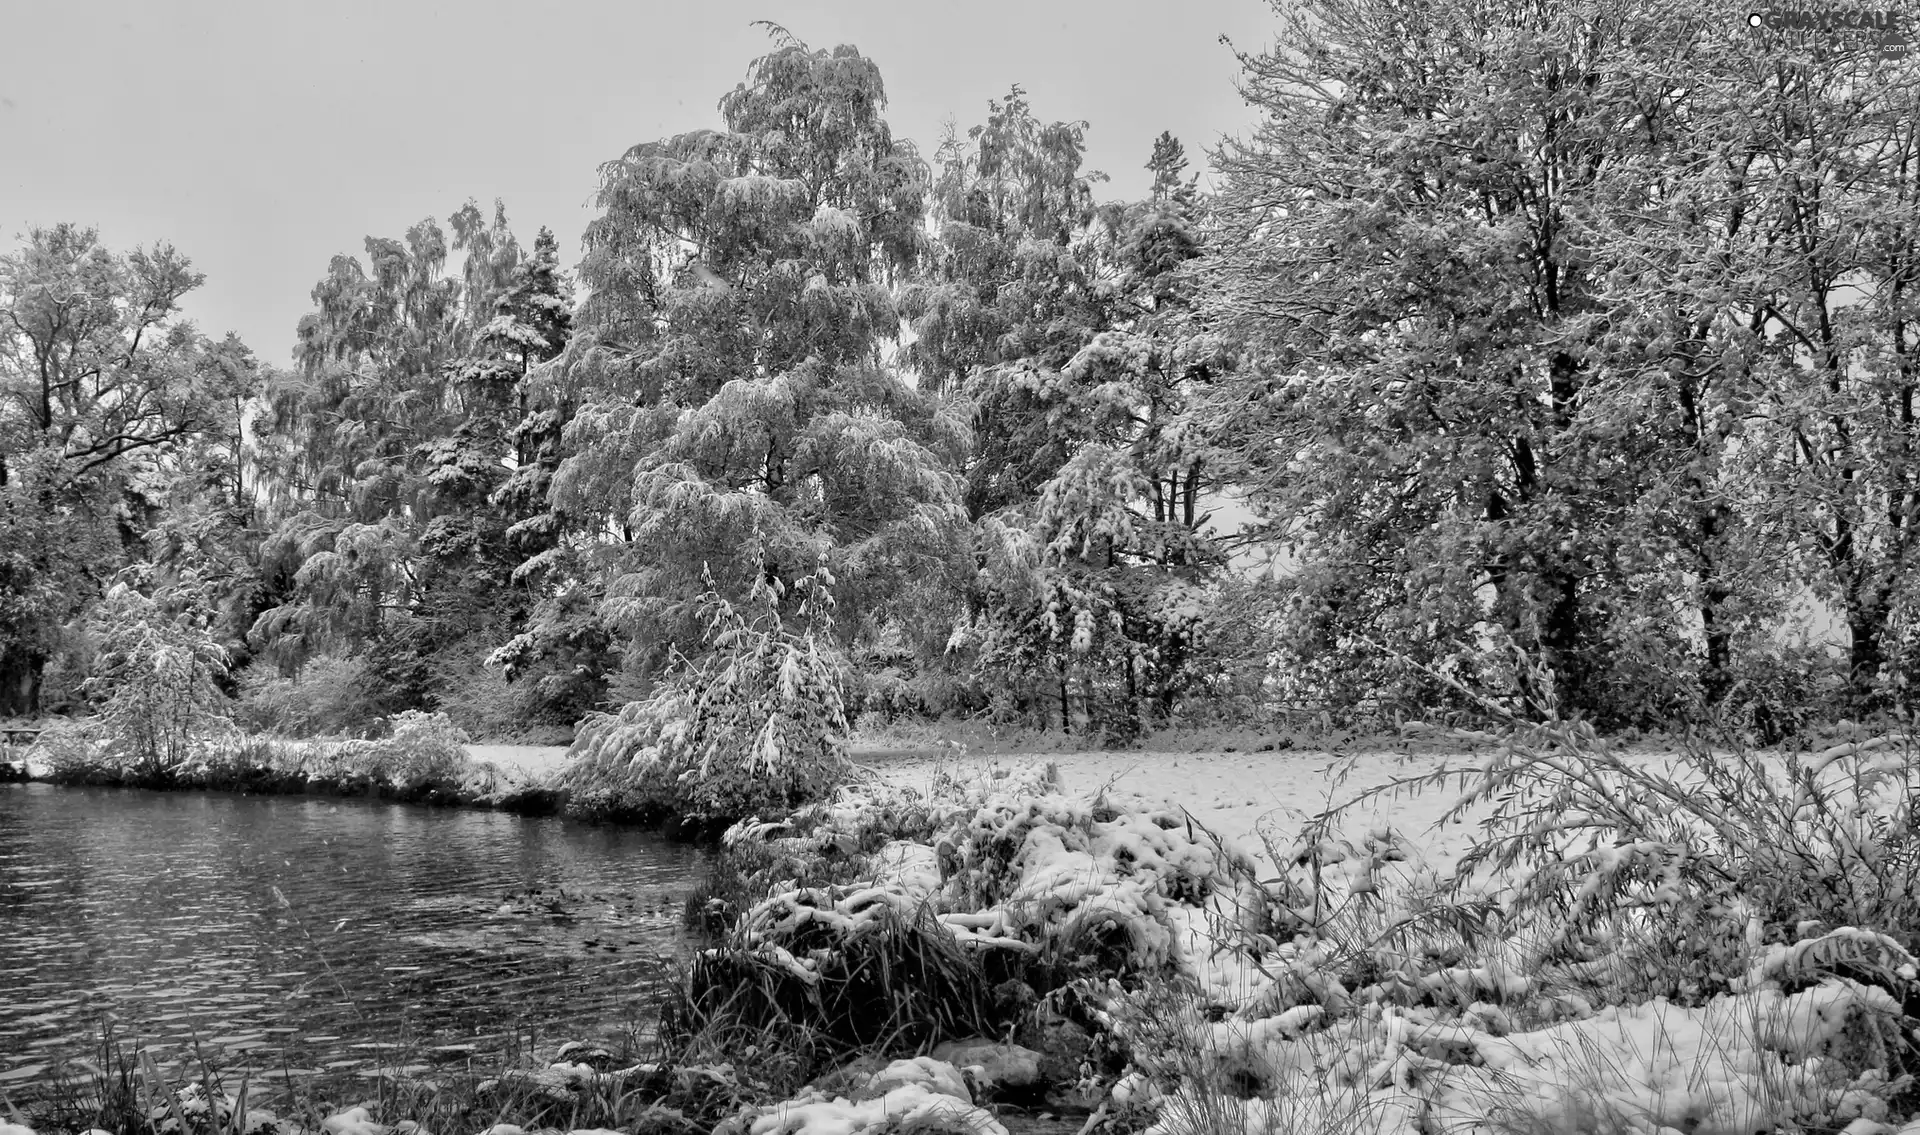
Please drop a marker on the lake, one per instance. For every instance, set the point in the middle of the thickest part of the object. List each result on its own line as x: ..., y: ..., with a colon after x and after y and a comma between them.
x: 296, y: 936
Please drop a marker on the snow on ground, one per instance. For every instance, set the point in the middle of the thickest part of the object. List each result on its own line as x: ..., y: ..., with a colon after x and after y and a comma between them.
x: 1247, y: 796
x: 1257, y: 798
x: 534, y: 760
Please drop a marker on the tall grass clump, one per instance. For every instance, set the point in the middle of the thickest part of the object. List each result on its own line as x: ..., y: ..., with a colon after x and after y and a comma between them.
x: 888, y: 922
x: 756, y: 726
x: 1689, y: 876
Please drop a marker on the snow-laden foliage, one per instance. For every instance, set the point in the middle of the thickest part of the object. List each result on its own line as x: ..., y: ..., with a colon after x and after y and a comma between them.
x: 1092, y: 479
x: 738, y: 413
x: 980, y: 894
x: 117, y: 418
x: 754, y: 725
x: 1010, y: 869
x: 406, y: 465
x: 1564, y: 352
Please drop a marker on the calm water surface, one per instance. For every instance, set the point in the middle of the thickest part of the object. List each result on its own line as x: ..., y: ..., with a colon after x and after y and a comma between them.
x: 298, y: 936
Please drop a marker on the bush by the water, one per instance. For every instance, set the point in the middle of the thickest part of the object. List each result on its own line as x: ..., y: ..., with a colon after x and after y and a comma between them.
x: 153, y: 686
x: 328, y: 696
x: 755, y: 727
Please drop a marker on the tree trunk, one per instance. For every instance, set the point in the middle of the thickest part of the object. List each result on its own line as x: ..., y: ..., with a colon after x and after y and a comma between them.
x: 1866, y: 655
x: 1710, y: 522
x: 1560, y: 639
x: 1717, y: 677
x: 1506, y: 606
x: 1134, y: 697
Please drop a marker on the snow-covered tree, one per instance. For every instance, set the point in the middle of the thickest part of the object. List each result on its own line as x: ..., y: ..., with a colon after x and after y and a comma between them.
x: 739, y: 414
x: 406, y: 448
x: 1102, y: 579
x: 111, y: 405
x: 1006, y: 296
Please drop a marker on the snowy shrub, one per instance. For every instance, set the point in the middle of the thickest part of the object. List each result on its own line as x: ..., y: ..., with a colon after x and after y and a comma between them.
x: 70, y: 753
x: 153, y: 684
x: 329, y: 696
x: 237, y: 757
x: 483, y: 703
x: 424, y: 754
x: 914, y: 926
x: 993, y: 891
x: 756, y: 726
x: 424, y: 749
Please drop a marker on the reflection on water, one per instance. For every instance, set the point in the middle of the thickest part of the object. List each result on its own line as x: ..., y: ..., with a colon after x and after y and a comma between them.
x: 299, y: 936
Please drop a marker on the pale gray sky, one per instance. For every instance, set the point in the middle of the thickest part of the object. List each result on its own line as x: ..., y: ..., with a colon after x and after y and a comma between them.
x: 261, y: 138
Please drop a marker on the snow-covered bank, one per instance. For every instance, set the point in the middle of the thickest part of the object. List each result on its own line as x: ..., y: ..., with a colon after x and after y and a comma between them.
x: 1344, y: 988
x: 1238, y: 793
x: 421, y: 763
x: 1248, y: 798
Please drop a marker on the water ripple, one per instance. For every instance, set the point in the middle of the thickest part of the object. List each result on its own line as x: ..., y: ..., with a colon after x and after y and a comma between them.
x: 286, y: 934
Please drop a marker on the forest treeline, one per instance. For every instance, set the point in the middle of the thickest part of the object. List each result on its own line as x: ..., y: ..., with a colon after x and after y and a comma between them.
x: 1564, y: 355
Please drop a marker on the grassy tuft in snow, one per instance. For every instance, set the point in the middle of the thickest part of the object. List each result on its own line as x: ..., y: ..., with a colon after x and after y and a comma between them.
x: 1679, y: 877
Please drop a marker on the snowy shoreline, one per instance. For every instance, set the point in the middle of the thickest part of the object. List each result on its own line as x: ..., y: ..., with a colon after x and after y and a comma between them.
x: 1250, y: 798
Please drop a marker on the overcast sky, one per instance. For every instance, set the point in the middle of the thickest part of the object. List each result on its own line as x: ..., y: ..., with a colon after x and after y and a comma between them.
x: 261, y: 138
